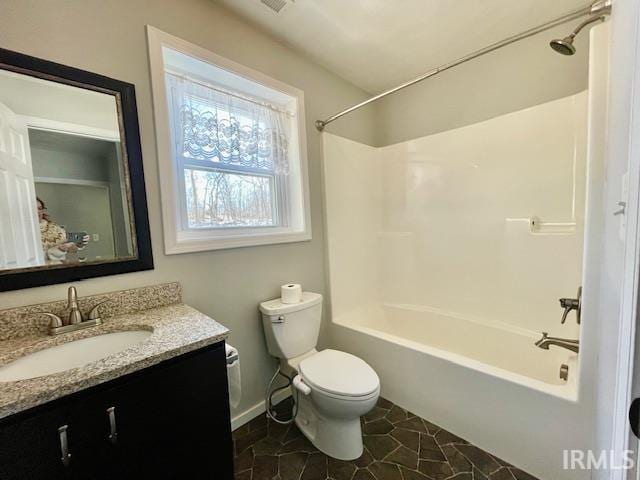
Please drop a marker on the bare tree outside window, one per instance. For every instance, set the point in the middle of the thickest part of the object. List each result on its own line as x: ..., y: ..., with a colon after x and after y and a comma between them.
x: 222, y: 199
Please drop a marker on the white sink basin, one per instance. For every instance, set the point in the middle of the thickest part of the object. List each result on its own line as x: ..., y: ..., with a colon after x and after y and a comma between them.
x: 70, y: 355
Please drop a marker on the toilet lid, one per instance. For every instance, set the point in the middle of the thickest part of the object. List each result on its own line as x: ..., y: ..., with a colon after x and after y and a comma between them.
x: 339, y: 373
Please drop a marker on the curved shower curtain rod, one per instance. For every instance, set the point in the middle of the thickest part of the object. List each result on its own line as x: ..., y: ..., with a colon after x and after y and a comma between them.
x: 598, y: 8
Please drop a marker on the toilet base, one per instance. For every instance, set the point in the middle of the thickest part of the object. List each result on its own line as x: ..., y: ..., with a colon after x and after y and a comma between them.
x: 337, y: 438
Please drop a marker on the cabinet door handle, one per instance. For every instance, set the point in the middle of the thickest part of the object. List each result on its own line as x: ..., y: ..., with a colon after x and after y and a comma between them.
x: 113, y: 436
x: 64, y: 445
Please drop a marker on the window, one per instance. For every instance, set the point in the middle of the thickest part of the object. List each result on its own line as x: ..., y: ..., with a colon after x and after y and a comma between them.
x: 231, y: 151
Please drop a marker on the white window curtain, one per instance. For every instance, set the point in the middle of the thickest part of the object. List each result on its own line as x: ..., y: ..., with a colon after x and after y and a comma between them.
x: 227, y: 130
x: 232, y: 157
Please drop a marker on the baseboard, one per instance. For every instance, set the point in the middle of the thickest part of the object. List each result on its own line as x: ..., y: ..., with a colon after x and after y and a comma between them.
x: 258, y: 409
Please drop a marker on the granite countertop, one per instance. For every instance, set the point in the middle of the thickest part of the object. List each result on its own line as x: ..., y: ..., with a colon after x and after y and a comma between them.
x: 176, y: 328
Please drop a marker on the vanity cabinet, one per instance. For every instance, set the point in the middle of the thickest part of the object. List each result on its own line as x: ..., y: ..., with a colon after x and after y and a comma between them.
x: 169, y: 421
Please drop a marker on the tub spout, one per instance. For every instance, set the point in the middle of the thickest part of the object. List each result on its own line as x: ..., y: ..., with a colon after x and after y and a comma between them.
x: 546, y: 341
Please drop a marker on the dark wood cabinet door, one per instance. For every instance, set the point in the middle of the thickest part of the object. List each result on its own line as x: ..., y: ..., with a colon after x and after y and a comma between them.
x: 95, y: 452
x: 173, y: 423
x: 30, y: 447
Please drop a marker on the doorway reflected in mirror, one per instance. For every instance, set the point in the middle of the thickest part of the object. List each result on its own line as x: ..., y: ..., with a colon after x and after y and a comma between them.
x: 64, y: 186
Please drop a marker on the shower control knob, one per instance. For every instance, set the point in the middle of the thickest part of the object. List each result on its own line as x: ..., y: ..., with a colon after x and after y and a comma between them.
x: 569, y: 304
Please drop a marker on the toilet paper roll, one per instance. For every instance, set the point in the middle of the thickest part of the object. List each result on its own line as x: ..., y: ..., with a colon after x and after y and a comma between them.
x: 233, y: 375
x: 291, y: 293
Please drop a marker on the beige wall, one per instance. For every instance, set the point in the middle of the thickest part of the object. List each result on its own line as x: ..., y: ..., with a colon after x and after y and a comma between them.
x: 108, y: 37
x: 81, y: 208
x: 516, y: 77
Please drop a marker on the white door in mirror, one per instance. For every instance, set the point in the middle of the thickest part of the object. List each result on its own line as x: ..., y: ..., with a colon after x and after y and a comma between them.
x: 20, y: 244
x: 70, y: 355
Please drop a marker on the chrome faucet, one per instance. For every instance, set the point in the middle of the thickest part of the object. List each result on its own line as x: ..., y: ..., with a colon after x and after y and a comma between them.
x: 546, y: 341
x: 75, y: 320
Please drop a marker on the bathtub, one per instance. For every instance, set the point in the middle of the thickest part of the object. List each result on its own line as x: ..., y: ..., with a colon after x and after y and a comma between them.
x: 495, y: 349
x: 485, y: 382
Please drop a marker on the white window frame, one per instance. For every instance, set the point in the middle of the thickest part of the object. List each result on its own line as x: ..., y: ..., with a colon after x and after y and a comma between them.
x: 177, y: 239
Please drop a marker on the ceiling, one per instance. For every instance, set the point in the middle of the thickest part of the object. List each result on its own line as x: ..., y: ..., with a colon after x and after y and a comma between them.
x: 377, y: 44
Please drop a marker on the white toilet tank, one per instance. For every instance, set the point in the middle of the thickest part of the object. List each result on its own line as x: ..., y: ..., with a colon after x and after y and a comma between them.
x: 292, y: 329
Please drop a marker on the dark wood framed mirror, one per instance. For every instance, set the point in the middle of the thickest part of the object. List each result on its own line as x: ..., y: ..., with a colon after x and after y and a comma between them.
x: 72, y: 193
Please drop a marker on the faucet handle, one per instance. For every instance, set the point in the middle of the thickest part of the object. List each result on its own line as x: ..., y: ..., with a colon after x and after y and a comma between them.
x: 568, y: 305
x: 55, y: 321
x: 572, y: 304
x: 94, y: 313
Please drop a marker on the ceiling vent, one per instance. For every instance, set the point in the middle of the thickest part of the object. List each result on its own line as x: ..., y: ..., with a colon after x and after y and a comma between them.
x: 275, y: 5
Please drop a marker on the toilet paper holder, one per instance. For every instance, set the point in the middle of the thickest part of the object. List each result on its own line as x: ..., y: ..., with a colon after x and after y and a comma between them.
x: 232, y: 357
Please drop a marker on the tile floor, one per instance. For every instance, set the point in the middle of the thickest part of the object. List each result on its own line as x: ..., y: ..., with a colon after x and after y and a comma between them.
x: 398, y: 446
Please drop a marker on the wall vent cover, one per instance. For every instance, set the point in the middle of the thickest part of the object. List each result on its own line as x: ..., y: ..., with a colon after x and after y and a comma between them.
x: 275, y: 5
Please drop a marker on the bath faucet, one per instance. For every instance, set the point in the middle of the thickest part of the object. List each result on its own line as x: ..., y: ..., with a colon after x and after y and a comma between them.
x: 75, y: 319
x: 546, y: 341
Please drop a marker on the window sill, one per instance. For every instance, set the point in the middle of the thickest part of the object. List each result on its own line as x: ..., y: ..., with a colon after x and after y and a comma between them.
x: 189, y: 245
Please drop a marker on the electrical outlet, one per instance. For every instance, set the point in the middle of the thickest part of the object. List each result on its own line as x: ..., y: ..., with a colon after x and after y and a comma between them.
x: 96, y: 237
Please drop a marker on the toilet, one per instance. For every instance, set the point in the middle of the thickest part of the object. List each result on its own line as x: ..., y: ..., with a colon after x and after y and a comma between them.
x: 334, y: 388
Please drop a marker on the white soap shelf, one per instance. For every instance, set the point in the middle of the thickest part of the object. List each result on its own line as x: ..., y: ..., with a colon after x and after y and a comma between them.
x: 539, y: 227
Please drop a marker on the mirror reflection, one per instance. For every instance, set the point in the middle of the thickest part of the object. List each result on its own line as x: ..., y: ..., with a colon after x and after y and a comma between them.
x: 64, y: 188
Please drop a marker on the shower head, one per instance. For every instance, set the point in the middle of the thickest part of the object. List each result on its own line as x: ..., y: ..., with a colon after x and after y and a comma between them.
x: 565, y: 45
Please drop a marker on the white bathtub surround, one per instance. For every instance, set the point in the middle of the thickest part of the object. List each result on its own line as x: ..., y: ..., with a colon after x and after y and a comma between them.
x: 463, y: 221
x: 447, y: 255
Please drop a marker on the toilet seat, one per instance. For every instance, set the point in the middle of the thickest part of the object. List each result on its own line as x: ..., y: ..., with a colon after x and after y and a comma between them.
x: 340, y: 375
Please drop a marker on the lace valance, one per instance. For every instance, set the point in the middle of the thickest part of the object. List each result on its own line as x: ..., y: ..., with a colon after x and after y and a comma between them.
x: 228, y: 130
